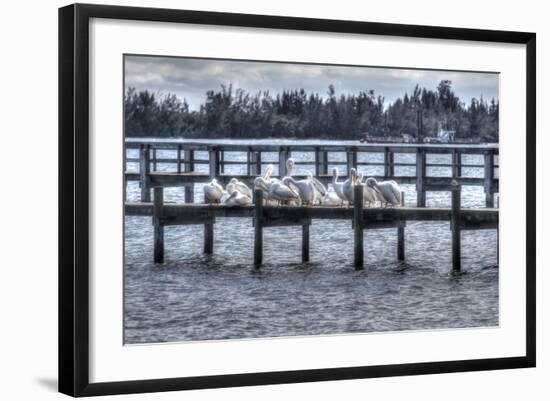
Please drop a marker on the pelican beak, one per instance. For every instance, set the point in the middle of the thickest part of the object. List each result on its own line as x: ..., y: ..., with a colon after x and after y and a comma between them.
x: 375, y: 187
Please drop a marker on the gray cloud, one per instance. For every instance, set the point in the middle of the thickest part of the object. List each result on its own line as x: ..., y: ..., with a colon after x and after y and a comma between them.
x: 191, y: 78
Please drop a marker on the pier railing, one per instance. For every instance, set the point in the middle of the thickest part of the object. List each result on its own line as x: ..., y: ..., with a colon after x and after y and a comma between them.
x: 185, y: 162
x: 263, y: 216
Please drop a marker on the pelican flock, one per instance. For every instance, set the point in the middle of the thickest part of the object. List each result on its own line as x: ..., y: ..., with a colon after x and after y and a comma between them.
x: 306, y: 192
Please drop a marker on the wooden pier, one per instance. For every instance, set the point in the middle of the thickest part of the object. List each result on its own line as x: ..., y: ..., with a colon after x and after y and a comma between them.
x: 270, y: 216
x: 185, y: 163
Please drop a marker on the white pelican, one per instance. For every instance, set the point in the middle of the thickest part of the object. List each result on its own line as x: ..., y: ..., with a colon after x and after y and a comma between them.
x: 388, y: 191
x: 236, y: 185
x: 347, y: 186
x: 277, y: 190
x: 282, y: 193
x: 289, y: 167
x: 369, y: 194
x: 213, y: 191
x: 238, y: 199
x: 338, y: 186
x: 310, y: 189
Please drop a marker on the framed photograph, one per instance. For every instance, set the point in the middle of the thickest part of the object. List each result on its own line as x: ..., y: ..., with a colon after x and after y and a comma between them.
x: 251, y: 199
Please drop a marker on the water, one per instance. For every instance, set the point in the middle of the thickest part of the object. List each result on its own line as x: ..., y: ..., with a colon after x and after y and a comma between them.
x: 197, y: 297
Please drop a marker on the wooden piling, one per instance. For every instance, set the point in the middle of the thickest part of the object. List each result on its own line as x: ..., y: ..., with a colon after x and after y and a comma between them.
x: 208, y: 237
x: 420, y: 177
x: 144, y: 173
x: 457, y: 164
x: 255, y: 163
x: 488, y: 179
x: 401, y: 234
x: 178, y: 158
x: 154, y: 159
x: 388, y: 164
x: 214, y: 162
x: 258, y: 228
x: 455, y: 227
x: 305, y: 243
x: 189, y: 167
x: 158, y: 227
x: 351, y: 159
x: 283, y: 157
x: 321, y: 162
x: 358, y: 227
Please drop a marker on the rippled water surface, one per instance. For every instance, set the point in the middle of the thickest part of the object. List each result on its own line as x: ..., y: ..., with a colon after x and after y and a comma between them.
x: 196, y: 297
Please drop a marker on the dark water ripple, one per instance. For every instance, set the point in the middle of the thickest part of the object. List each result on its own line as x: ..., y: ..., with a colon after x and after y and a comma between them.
x: 195, y: 297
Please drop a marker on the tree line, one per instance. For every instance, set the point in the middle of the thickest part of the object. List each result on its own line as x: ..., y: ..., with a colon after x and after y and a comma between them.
x: 230, y: 113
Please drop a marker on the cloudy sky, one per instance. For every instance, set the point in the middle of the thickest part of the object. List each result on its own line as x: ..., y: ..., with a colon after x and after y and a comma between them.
x: 191, y: 78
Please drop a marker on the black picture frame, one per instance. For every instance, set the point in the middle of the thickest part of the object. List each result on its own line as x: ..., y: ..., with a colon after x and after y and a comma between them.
x: 74, y: 201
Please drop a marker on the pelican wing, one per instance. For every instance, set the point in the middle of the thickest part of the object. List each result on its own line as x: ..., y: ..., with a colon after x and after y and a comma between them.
x: 282, y: 192
x: 369, y: 194
x: 243, y: 189
x: 319, y: 187
x: 390, y: 192
x: 291, y: 185
x: 396, y: 192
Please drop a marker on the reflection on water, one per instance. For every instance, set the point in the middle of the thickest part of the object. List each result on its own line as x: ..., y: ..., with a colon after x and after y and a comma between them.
x: 194, y: 297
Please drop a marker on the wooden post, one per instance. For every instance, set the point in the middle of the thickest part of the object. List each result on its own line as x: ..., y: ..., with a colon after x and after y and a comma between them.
x: 351, y: 159
x: 305, y: 243
x: 321, y: 162
x: 489, y: 176
x: 144, y: 172
x: 178, y: 158
x: 255, y: 163
x: 401, y: 234
x: 214, y: 162
x: 158, y: 228
x: 258, y: 228
x: 154, y: 159
x: 208, y: 238
x: 420, y: 176
x: 222, y: 159
x: 455, y: 227
x: 388, y: 164
x: 189, y: 167
x: 457, y: 164
x: 283, y: 157
x: 358, y: 226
